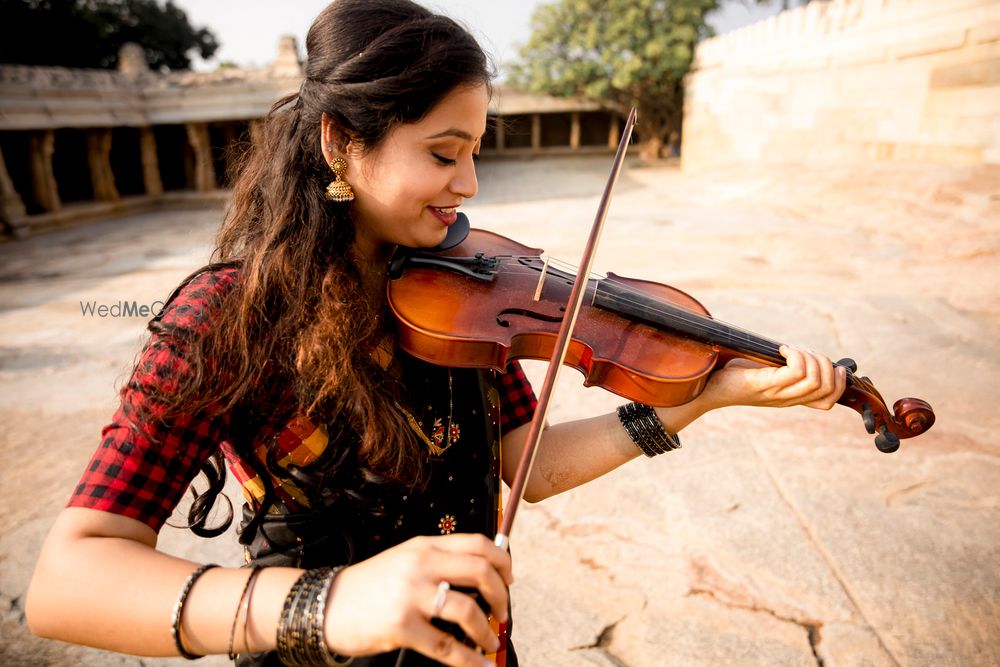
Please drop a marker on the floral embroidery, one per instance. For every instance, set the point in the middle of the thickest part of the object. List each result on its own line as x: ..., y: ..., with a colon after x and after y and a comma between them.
x: 442, y: 437
x: 437, y: 432
x: 447, y: 524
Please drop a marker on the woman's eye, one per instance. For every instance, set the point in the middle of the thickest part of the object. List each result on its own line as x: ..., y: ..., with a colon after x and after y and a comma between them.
x: 442, y: 159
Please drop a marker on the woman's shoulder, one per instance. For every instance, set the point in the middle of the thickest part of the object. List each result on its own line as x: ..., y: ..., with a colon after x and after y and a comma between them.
x: 197, y: 299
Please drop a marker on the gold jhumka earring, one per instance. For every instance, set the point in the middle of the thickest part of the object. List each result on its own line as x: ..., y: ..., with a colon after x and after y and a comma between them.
x: 339, y: 189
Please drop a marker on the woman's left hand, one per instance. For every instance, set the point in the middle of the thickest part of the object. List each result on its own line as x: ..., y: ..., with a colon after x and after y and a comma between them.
x: 807, y: 378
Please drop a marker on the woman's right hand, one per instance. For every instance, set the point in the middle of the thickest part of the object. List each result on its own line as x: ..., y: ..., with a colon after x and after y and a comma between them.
x: 387, y: 602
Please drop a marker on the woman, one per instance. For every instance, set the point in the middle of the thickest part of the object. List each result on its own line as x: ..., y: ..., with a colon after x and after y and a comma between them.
x: 278, y: 358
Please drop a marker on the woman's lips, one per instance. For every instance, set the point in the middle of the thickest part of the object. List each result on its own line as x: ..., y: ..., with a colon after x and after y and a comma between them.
x: 448, y: 216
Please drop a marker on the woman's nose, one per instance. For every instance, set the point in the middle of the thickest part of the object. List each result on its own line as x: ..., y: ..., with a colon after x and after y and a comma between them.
x: 465, y: 182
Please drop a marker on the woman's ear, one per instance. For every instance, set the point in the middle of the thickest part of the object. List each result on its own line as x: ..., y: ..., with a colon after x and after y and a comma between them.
x: 353, y: 149
x: 333, y: 140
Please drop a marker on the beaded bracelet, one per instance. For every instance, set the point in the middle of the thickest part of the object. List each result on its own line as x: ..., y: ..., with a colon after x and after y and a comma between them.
x: 175, y: 618
x: 239, y: 608
x: 646, y: 430
x: 300, y: 635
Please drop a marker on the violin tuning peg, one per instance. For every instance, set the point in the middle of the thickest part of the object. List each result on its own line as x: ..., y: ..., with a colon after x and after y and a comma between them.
x: 869, y: 418
x: 848, y: 363
x: 886, y: 441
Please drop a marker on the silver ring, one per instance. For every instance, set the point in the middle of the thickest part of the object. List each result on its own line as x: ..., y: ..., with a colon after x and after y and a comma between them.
x: 442, y: 592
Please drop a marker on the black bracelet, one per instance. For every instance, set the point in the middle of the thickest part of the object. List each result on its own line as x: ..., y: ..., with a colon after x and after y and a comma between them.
x: 175, y: 619
x: 646, y: 430
x: 317, y: 637
x: 300, y: 634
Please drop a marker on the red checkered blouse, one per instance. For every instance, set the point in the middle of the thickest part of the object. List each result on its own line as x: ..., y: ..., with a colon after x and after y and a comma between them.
x: 141, y: 469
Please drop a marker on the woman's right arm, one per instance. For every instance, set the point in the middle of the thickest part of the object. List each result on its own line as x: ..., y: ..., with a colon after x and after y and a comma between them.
x: 100, y: 582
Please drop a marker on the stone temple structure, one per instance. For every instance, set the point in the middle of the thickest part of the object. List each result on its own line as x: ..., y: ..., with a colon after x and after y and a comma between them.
x: 78, y: 144
x: 847, y: 82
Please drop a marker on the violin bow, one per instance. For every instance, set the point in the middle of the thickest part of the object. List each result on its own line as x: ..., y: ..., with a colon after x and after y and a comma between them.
x: 562, y: 343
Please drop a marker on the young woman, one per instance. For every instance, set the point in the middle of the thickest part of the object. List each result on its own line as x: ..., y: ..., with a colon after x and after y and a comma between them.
x: 278, y: 362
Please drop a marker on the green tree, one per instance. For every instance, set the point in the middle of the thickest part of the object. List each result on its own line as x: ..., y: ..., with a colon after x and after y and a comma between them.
x: 89, y: 33
x: 623, y: 53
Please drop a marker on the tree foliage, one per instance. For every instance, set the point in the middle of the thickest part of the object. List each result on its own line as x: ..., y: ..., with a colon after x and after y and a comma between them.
x: 89, y: 33
x: 620, y: 52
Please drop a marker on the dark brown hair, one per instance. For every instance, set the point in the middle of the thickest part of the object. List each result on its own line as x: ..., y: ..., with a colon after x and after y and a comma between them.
x: 297, y: 316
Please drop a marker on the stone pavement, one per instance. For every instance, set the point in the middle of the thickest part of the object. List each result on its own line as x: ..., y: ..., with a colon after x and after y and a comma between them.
x: 773, y: 537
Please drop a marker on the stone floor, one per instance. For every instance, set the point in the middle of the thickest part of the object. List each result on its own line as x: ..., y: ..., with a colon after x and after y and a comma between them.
x: 772, y: 537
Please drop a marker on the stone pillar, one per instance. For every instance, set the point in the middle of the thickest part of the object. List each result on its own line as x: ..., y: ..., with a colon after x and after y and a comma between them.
x: 574, y: 130
x: 536, y: 132
x: 11, y: 205
x: 150, y: 162
x: 132, y: 60
x: 204, y: 170
x: 230, y: 153
x: 501, y: 135
x: 102, y: 178
x: 43, y: 179
x: 614, y: 132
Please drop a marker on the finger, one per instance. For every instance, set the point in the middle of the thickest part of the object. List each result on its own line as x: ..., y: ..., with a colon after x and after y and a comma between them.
x: 838, y: 384
x: 473, y: 571
x: 474, y: 543
x: 795, y: 370
x: 462, y: 609
x: 831, y: 378
x: 794, y: 360
x: 828, y: 376
x: 816, y: 381
x: 812, y: 385
x: 441, y: 646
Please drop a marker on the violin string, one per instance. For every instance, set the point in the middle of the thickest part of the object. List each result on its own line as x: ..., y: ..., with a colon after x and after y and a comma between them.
x: 701, y: 324
x: 752, y: 342
x: 668, y: 311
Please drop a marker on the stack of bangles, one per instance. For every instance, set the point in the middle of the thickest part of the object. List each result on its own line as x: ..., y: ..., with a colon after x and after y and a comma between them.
x: 300, y: 636
x: 646, y: 430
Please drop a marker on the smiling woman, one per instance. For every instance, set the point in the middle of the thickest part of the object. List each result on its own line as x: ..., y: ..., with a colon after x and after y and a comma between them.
x: 408, y: 188
x: 371, y: 479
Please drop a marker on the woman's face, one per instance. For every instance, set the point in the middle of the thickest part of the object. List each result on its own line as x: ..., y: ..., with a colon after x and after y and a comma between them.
x: 406, y: 190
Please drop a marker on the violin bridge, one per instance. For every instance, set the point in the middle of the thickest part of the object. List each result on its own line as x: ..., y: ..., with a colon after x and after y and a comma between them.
x: 541, y: 280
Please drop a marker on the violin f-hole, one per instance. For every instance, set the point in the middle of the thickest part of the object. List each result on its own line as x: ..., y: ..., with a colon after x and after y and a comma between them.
x: 524, y: 312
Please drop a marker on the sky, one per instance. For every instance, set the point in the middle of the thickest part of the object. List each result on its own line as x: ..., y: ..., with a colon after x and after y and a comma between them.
x: 248, y: 30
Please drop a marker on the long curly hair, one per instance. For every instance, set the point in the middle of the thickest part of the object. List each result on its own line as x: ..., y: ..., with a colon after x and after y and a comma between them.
x: 297, y: 316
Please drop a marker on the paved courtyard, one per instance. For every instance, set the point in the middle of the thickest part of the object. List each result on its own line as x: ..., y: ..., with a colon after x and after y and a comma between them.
x: 774, y: 537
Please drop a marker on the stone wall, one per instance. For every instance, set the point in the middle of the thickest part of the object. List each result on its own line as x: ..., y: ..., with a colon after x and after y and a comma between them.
x: 849, y: 80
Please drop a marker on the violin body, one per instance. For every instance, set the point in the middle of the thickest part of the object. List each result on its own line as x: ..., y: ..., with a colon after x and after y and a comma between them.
x: 489, y: 300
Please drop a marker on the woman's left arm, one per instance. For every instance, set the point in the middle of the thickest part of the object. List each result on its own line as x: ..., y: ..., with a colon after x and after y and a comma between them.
x: 574, y: 453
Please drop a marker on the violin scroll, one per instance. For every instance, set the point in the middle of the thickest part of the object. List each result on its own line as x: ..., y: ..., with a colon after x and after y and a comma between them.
x: 909, y: 416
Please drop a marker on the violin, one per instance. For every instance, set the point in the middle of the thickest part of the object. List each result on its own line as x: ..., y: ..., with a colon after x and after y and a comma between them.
x: 481, y: 300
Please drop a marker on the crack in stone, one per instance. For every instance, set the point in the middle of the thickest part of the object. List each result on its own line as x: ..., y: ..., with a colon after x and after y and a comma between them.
x: 824, y: 554
x: 603, y: 642
x: 895, y: 495
x: 577, y: 529
x: 812, y: 627
x: 14, y: 608
x: 814, y: 640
